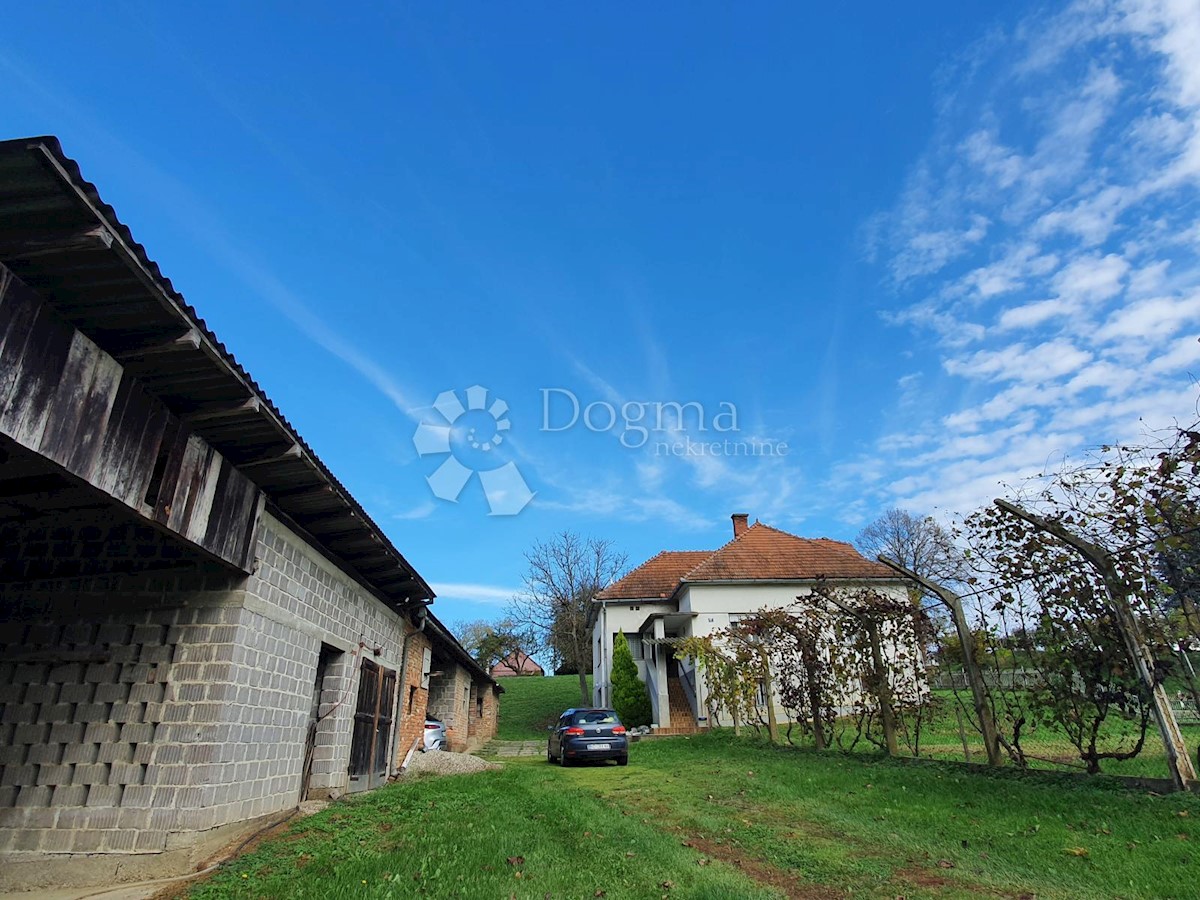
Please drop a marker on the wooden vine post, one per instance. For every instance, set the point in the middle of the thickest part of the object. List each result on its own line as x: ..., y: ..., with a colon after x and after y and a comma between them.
x: 979, y: 696
x: 1183, y: 774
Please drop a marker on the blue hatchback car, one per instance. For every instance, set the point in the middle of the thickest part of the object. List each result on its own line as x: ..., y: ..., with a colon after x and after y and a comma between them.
x: 585, y: 734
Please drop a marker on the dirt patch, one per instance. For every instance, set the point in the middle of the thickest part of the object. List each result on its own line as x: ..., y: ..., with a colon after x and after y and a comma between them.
x: 765, y: 873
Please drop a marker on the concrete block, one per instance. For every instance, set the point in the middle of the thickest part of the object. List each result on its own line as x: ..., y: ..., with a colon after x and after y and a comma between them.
x: 95, y: 773
x: 57, y: 840
x: 11, y: 693
x: 19, y: 775
x: 13, y: 754
x: 42, y: 693
x: 116, y: 752
x: 34, y: 795
x: 138, y: 796
x: 143, y: 753
x: 19, y: 713
x: 32, y: 734
x: 137, y: 732
x: 13, y: 817
x: 77, y: 693
x: 56, y: 712
x: 66, y: 732
x: 54, y: 774
x: 69, y: 795
x: 114, y: 633
x: 127, y: 712
x: 8, y: 795
x: 79, y: 633
x: 152, y: 693
x: 114, y: 692
x: 102, y: 673
x: 162, y: 818
x: 150, y: 841
x: 118, y: 841
x: 126, y: 773
x: 80, y: 753
x: 101, y: 732
x: 85, y: 842
x: 130, y: 817
x: 149, y: 634
x: 28, y: 839
x: 104, y: 795
x: 155, y: 653
x: 45, y: 754
x: 124, y: 654
x: 92, y: 713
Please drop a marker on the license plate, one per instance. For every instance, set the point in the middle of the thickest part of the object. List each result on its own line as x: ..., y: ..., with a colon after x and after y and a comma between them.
x: 598, y: 746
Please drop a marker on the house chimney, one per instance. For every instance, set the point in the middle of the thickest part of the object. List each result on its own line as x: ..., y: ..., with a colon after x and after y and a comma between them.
x: 740, y: 523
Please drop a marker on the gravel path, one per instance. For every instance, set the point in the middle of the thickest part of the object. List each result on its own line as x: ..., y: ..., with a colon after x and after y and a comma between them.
x: 515, y: 748
x: 443, y: 762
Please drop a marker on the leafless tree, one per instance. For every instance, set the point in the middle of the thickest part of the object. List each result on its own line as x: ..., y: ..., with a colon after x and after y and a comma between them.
x: 564, y: 574
x: 916, y: 542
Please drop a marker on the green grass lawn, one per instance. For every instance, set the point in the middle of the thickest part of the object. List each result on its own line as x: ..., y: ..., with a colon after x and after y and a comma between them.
x: 529, y: 704
x: 717, y: 817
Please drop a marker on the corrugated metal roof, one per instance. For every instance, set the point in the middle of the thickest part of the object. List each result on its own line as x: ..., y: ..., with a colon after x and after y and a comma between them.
x: 62, y: 239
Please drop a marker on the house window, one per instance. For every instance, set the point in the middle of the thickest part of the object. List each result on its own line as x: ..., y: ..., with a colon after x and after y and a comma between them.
x: 635, y: 645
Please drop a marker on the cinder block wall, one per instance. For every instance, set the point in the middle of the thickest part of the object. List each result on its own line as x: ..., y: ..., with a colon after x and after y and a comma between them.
x: 135, y: 707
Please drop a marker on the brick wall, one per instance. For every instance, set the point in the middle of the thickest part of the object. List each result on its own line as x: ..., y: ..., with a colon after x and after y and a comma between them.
x: 413, y: 699
x: 139, y: 705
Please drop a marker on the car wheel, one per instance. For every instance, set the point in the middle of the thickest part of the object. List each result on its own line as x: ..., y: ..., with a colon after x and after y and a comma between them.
x: 549, y: 756
x: 562, y: 757
x: 623, y: 760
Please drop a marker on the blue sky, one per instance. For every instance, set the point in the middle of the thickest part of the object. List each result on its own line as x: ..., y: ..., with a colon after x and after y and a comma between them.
x: 930, y: 250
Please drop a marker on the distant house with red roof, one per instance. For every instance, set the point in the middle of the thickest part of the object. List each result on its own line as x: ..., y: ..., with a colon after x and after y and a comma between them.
x: 516, y: 663
x: 685, y: 593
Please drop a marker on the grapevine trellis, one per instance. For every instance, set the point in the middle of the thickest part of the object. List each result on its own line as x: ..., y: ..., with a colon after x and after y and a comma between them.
x: 1065, y: 645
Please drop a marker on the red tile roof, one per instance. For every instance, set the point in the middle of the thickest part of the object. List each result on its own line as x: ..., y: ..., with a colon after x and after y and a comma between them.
x: 760, y: 553
x: 657, y: 577
x: 763, y: 553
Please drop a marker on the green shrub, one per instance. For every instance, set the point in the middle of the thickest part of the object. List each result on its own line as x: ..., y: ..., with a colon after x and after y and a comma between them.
x: 631, y: 700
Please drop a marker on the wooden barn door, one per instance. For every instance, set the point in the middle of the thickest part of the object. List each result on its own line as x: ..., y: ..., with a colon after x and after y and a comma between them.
x: 372, y: 726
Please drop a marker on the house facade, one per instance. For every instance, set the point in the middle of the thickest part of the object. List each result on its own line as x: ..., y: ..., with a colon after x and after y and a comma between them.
x: 516, y: 663
x: 680, y: 594
x: 199, y: 626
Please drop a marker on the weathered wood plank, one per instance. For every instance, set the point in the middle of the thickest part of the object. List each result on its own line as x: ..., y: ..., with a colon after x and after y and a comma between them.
x: 67, y: 400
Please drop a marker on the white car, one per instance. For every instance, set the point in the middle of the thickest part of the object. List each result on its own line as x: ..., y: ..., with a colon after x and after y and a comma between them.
x: 435, y: 734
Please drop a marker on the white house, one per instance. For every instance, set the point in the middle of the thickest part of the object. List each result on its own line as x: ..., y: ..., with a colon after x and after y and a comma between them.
x: 679, y: 594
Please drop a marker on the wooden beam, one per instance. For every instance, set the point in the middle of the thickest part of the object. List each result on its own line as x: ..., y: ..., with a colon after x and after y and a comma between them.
x: 28, y: 243
x: 291, y: 454
x: 187, y: 340
x: 210, y: 412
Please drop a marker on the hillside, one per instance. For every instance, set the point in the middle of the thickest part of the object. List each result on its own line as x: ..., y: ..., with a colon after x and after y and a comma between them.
x: 530, y: 703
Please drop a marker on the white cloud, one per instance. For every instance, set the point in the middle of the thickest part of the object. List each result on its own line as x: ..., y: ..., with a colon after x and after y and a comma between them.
x: 1072, y: 318
x: 496, y: 595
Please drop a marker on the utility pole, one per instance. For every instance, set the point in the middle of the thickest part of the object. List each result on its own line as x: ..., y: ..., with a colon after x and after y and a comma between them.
x: 1178, y: 760
x: 953, y: 602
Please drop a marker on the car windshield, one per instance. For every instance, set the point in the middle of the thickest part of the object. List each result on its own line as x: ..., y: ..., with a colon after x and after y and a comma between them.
x: 596, y: 717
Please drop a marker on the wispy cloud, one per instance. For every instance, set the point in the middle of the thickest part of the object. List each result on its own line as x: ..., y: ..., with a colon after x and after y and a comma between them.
x: 493, y: 594
x: 1042, y: 246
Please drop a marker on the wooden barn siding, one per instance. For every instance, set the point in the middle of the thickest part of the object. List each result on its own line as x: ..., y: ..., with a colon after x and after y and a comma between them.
x: 66, y: 399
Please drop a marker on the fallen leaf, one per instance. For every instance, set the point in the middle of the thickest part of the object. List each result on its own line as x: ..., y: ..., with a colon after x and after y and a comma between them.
x: 599, y: 893
x: 1076, y: 851
x: 630, y: 855
x: 703, y: 862
x: 1182, y: 813
x: 667, y: 885
x: 516, y: 860
x: 945, y: 864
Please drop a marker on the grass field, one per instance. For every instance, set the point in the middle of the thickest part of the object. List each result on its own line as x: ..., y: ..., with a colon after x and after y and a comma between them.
x: 529, y: 704
x: 717, y: 817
